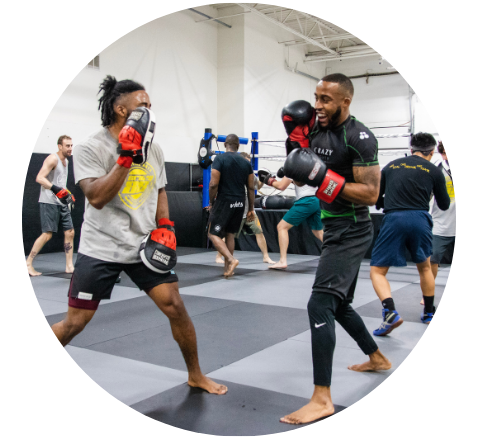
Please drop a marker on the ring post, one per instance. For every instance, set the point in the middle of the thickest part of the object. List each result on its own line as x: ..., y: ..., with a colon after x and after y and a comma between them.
x: 206, y: 174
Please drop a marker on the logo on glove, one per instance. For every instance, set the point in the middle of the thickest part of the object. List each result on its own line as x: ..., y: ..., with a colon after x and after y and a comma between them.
x: 329, y: 190
x: 161, y: 257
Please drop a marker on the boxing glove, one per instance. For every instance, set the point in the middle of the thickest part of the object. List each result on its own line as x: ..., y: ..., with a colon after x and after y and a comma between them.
x: 158, y: 249
x: 135, y: 137
x: 63, y: 194
x: 265, y: 176
x: 280, y: 172
x: 298, y: 118
x: 304, y: 166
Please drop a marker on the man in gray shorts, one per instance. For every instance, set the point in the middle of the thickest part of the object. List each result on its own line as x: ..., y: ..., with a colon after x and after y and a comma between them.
x: 125, y: 202
x: 53, y: 209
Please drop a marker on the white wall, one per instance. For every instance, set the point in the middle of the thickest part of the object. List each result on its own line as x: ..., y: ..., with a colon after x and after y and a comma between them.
x: 29, y: 99
x: 175, y: 59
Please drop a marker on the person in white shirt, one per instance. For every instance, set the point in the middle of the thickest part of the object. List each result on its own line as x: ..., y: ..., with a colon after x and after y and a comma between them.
x: 443, y: 220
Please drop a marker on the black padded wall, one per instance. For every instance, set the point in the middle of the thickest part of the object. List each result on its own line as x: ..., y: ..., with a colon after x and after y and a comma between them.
x: 185, y: 207
x: 31, y: 212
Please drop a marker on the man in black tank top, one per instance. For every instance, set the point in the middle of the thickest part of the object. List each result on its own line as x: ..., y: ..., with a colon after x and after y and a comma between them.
x: 229, y: 174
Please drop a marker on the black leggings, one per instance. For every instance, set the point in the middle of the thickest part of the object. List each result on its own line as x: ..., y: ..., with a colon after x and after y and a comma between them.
x: 323, y: 310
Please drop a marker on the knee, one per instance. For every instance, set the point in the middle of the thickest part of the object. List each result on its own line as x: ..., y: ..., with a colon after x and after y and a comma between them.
x: 70, y: 234
x: 282, y: 227
x: 174, y: 308
x: 47, y: 236
x: 73, y: 326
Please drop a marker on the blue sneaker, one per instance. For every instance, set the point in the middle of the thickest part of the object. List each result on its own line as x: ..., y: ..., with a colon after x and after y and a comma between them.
x: 427, y: 316
x: 391, y: 320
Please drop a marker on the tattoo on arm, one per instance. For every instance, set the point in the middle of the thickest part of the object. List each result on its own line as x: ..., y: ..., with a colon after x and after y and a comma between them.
x: 33, y: 254
x: 67, y: 246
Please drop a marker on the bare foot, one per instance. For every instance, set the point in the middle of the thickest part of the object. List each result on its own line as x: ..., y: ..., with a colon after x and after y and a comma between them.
x: 230, y: 267
x: 279, y: 266
x: 379, y: 363
x: 422, y: 302
x: 310, y: 412
x: 268, y: 260
x: 70, y: 269
x: 205, y: 383
x: 32, y: 272
x: 219, y: 261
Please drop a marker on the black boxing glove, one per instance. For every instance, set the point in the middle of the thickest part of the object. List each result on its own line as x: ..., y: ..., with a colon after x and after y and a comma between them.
x: 298, y: 118
x: 280, y: 172
x: 265, y: 176
x: 63, y: 194
x: 158, y: 249
x: 304, y: 166
x: 135, y: 137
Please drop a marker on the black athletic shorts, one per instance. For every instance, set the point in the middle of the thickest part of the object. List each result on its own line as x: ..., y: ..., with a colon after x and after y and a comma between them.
x: 344, y: 247
x: 440, y: 246
x: 226, y: 216
x: 53, y: 214
x: 94, y: 279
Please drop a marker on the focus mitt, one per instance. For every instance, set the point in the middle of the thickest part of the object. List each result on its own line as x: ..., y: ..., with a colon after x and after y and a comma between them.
x: 158, y: 249
x: 135, y: 137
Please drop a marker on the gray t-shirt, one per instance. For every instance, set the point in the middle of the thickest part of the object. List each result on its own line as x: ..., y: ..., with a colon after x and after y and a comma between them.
x: 115, y: 232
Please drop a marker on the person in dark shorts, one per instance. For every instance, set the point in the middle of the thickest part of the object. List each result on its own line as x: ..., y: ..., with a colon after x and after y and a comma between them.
x: 405, y: 190
x: 53, y: 213
x: 341, y: 160
x: 251, y: 228
x: 229, y: 174
x: 125, y: 201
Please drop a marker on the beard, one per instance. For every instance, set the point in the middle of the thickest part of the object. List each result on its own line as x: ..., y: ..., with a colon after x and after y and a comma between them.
x: 334, y: 118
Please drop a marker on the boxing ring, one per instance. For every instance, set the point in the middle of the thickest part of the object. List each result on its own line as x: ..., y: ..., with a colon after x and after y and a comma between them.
x: 301, y: 239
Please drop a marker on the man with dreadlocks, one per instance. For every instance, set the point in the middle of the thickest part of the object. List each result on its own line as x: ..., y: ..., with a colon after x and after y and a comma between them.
x: 126, y: 200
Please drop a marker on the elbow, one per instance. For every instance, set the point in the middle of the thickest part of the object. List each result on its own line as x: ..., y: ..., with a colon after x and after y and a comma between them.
x: 96, y: 203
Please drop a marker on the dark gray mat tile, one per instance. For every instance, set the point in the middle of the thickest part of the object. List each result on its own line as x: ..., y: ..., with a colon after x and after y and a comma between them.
x: 303, y: 267
x: 224, y: 335
x: 407, y: 302
x: 118, y: 319
x: 243, y: 411
x: 193, y: 274
x: 184, y: 251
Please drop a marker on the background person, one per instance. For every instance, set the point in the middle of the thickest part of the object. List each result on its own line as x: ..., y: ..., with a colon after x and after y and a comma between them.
x: 54, y: 200
x: 229, y: 174
x: 405, y: 189
x: 305, y: 208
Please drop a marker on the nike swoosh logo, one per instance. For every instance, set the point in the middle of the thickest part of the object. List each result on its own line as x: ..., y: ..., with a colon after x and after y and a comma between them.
x: 318, y: 326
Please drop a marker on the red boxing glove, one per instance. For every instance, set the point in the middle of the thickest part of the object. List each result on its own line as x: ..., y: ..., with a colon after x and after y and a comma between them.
x: 298, y: 118
x: 124, y: 161
x: 330, y: 187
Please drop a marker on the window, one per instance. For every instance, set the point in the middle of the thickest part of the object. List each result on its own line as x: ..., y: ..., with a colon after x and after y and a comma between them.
x: 94, y: 63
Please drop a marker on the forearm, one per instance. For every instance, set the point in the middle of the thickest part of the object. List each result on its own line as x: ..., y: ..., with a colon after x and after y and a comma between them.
x: 44, y: 182
x: 250, y: 197
x: 282, y: 184
x: 360, y: 193
x: 162, y: 210
x: 101, y: 191
x: 212, y: 194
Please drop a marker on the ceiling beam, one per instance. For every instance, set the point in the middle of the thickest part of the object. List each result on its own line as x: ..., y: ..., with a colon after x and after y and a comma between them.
x: 343, y: 50
x: 283, y: 26
x: 327, y: 38
x: 220, y: 18
x: 337, y: 57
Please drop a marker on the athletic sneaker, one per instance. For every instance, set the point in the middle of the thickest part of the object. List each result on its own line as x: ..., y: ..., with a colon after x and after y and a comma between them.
x: 427, y: 316
x: 391, y: 320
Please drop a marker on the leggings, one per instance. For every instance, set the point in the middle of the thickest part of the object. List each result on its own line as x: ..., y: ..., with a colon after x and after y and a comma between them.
x: 324, y: 309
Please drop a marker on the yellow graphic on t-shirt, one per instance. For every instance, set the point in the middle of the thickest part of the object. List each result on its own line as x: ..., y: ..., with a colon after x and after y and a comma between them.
x: 450, y: 189
x: 138, y: 185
